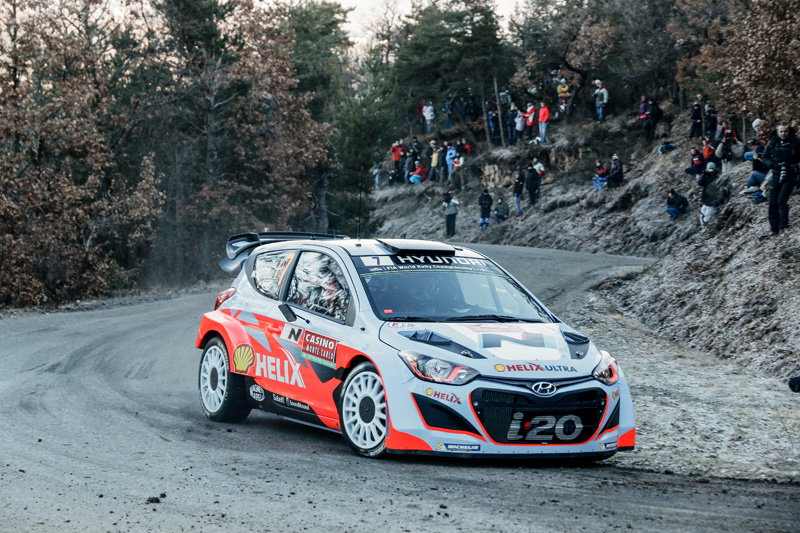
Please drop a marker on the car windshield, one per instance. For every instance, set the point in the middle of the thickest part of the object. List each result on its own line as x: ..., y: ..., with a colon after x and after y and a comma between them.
x: 422, y: 288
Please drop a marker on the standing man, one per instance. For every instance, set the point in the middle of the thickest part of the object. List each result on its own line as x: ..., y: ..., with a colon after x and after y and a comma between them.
x: 429, y: 114
x: 600, y: 99
x: 530, y: 120
x: 450, y: 205
x: 544, y: 117
x: 511, y: 117
x: 782, y: 155
x: 397, y: 152
x: 519, y: 186
x: 485, y: 203
x: 697, y: 121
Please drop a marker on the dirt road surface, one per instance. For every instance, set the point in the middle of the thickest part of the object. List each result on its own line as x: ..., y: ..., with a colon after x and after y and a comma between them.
x: 101, y: 430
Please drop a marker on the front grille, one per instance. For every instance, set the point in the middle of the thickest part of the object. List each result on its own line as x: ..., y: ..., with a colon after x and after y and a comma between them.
x: 566, y: 418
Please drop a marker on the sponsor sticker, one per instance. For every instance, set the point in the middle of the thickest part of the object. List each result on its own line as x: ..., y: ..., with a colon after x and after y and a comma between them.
x: 448, y: 447
x: 607, y: 446
x: 319, y: 349
x: 243, y: 358
x: 443, y: 396
x: 534, y: 367
x: 615, y: 394
x: 288, y: 402
x: 292, y: 333
x: 495, y: 328
x: 280, y: 370
x: 257, y: 393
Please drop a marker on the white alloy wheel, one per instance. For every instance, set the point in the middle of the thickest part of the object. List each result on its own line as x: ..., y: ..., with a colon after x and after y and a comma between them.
x: 222, y: 393
x: 213, y: 378
x: 364, y: 411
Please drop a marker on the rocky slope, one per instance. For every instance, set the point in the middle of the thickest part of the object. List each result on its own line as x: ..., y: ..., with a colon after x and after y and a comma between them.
x: 727, y: 288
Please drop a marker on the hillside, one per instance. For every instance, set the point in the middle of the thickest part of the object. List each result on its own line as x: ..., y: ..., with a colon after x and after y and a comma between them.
x: 727, y: 288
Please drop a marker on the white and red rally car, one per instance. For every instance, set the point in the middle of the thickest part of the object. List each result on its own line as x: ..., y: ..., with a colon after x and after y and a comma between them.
x: 405, y: 346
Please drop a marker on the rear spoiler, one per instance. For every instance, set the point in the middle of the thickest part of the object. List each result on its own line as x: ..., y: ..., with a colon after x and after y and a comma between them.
x: 239, y: 246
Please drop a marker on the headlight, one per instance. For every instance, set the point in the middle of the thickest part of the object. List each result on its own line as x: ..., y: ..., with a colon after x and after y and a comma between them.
x: 432, y: 369
x: 606, y: 371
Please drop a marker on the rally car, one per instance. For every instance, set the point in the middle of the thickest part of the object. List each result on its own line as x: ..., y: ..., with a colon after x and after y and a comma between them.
x: 405, y: 346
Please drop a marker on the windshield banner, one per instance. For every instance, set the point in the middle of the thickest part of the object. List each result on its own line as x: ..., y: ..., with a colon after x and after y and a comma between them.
x: 395, y: 263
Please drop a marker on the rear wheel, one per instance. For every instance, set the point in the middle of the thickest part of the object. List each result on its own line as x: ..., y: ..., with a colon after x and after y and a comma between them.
x: 222, y: 393
x: 363, y: 412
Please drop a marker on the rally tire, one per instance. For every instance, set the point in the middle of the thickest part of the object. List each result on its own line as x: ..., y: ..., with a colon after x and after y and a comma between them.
x: 363, y: 412
x: 223, y: 395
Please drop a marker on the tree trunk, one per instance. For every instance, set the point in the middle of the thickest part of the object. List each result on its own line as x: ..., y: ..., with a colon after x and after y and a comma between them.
x: 320, y: 209
x: 486, y: 122
x: 499, y: 114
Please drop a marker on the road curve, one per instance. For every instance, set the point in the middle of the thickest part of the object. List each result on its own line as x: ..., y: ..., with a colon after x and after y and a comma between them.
x: 100, y: 414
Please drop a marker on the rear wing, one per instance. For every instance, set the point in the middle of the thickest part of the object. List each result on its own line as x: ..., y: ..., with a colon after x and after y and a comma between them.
x: 239, y: 246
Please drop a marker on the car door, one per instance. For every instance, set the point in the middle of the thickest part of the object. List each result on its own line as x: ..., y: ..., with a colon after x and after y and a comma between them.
x: 320, y: 295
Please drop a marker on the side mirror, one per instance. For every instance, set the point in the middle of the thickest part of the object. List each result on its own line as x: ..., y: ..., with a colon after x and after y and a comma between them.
x: 287, y: 312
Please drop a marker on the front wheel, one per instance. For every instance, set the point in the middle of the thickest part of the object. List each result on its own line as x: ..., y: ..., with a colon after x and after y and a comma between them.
x: 222, y: 393
x: 363, y: 412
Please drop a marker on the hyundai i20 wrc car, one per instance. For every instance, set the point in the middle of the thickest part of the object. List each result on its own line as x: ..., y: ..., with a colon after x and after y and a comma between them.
x: 405, y: 346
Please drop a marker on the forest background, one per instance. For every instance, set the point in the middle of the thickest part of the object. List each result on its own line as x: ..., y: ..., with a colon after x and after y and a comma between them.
x: 136, y: 136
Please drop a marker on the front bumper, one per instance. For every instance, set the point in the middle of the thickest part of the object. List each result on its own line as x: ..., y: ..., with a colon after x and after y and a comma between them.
x: 584, y: 418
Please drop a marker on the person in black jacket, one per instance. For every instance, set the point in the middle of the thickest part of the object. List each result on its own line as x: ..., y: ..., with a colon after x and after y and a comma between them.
x: 615, y: 173
x: 519, y: 186
x: 711, y: 120
x: 654, y: 114
x: 782, y: 156
x: 712, y: 195
x: 485, y: 202
x: 532, y: 183
x: 676, y: 204
x: 697, y: 121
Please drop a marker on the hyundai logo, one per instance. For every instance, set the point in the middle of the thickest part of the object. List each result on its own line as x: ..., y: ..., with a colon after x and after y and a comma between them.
x: 544, y: 388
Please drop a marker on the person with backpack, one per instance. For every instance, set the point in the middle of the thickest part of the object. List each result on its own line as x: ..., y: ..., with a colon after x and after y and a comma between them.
x: 485, y: 203
x: 519, y: 186
x: 676, y: 204
x: 712, y: 196
x: 782, y: 156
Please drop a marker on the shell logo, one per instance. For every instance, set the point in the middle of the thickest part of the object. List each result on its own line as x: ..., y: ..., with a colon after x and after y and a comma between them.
x: 500, y: 368
x: 243, y: 358
x: 429, y: 391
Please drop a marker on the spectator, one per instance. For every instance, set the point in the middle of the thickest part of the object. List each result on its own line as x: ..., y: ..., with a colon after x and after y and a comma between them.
x: 511, y: 116
x: 428, y: 113
x: 562, y: 91
x: 530, y: 119
x: 643, y: 108
x: 421, y: 114
x: 533, y: 180
x: 712, y: 196
x: 416, y: 146
x: 450, y: 205
x: 615, y: 175
x: 411, y: 158
x: 711, y: 120
x: 708, y: 150
x: 676, y: 204
x: 467, y: 147
x: 727, y: 129
x: 519, y: 186
x: 485, y: 203
x: 544, y: 117
x: 759, y: 172
x: 458, y: 162
x: 448, y: 111
x: 500, y: 211
x: 441, y: 171
x: 696, y: 116
x: 519, y: 123
x: 418, y: 175
x: 433, y: 157
x: 600, y: 99
x: 653, y: 116
x: 452, y: 153
x: 698, y: 163
x: 461, y: 107
x: 729, y: 151
x: 782, y: 156
x: 600, y: 175
x: 397, y: 153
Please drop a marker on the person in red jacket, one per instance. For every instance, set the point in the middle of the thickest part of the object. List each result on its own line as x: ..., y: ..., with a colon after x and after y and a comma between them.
x: 544, y: 117
x: 419, y: 175
x: 397, y: 152
x: 530, y: 119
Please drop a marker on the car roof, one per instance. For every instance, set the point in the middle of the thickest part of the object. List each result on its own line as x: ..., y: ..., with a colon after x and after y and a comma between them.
x: 367, y: 247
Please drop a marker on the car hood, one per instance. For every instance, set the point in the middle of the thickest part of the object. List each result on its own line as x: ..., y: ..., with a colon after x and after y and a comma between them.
x: 508, y: 350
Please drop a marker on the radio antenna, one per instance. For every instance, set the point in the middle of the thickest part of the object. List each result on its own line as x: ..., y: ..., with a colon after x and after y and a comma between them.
x: 360, y: 194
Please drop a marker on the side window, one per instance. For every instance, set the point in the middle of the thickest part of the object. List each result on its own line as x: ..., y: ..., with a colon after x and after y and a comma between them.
x: 269, y: 270
x: 318, y: 284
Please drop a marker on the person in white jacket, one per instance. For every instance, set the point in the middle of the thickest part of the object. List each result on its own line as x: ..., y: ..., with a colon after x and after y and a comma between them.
x: 429, y: 115
x: 600, y: 99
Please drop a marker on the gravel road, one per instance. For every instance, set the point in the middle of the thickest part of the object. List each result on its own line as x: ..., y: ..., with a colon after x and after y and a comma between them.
x: 101, y: 430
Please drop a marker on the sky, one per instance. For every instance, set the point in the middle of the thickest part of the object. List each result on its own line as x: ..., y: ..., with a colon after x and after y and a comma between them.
x: 367, y: 11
